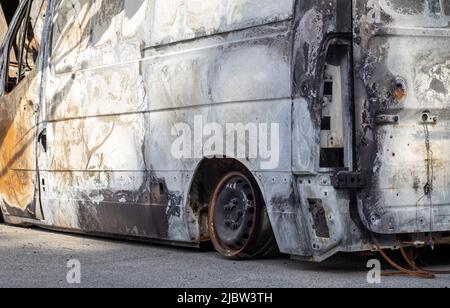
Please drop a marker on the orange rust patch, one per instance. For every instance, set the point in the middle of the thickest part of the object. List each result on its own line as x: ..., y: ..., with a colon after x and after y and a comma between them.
x: 399, y: 94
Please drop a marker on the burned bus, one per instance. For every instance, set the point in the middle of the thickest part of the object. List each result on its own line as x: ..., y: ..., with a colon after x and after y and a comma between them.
x: 113, y: 113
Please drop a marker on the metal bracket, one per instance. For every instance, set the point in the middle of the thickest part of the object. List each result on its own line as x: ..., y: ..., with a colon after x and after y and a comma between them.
x: 428, y: 118
x: 387, y: 119
x: 347, y: 180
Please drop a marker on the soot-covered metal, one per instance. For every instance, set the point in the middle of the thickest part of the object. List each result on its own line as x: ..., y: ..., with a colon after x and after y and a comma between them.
x: 360, y: 90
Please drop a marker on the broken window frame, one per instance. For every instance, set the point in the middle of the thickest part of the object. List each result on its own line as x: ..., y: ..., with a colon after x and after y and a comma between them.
x: 19, y: 37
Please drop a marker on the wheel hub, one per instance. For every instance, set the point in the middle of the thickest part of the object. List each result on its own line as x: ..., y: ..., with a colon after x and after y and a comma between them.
x: 234, y: 213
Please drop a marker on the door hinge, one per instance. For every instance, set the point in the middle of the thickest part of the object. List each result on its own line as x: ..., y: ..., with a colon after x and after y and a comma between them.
x: 348, y: 180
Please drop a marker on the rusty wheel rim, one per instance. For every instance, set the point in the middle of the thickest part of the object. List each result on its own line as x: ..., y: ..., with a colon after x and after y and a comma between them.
x: 233, y: 214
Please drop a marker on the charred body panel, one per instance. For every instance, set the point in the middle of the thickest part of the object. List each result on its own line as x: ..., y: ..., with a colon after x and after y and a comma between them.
x: 402, y: 97
x: 17, y: 176
x: 19, y: 117
x: 116, y: 76
x: 109, y: 141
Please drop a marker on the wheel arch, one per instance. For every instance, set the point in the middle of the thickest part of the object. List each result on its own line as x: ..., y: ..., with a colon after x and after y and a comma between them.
x: 207, y: 175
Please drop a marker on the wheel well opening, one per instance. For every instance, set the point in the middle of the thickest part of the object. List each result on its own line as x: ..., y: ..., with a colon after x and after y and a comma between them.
x: 207, y: 176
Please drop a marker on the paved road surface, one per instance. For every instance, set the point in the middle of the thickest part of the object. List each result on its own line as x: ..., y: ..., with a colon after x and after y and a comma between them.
x: 37, y: 258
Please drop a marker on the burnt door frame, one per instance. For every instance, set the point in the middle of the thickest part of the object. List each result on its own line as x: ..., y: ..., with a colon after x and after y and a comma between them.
x: 22, y: 114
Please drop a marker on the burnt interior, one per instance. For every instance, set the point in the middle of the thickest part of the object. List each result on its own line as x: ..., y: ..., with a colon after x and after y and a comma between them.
x: 335, y: 105
x: 9, y: 8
